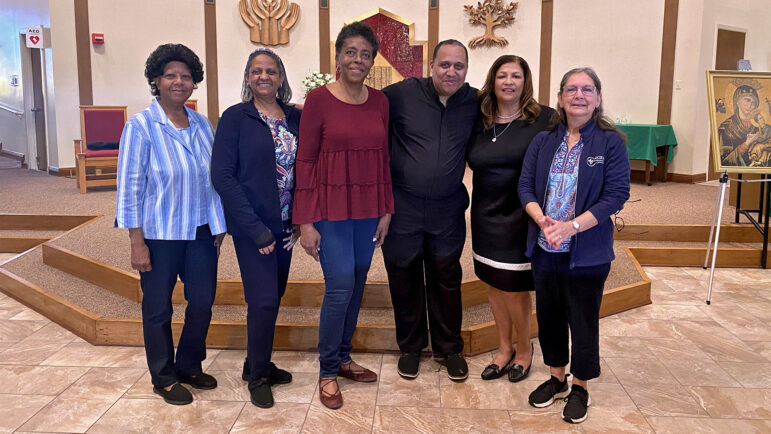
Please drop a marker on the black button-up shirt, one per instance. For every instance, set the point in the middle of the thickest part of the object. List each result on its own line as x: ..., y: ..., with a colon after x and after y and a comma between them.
x: 427, y: 141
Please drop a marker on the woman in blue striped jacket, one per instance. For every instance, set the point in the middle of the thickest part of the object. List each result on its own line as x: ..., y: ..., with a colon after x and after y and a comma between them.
x: 174, y: 217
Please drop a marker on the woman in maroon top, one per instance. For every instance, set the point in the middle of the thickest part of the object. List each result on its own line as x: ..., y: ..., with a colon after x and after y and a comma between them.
x: 343, y: 199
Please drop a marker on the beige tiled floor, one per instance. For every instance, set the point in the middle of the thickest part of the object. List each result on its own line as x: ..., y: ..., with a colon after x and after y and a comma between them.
x: 677, y: 365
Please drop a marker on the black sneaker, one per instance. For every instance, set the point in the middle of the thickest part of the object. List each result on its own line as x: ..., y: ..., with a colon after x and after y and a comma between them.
x: 544, y: 395
x: 409, y: 365
x: 577, y: 403
x: 260, y: 393
x: 177, y: 395
x: 201, y: 381
x: 276, y: 376
x: 457, y: 368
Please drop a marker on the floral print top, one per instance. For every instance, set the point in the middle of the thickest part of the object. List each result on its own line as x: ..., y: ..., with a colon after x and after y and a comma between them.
x: 286, y: 149
x: 561, y: 190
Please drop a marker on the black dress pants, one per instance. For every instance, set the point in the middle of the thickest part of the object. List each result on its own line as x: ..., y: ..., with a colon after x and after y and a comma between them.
x: 422, y: 257
x: 567, y: 300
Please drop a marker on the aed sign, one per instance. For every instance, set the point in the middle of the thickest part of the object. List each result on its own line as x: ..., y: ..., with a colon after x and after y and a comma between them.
x: 35, y: 37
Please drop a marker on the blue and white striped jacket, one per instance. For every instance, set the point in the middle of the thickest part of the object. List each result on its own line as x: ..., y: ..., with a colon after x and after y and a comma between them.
x: 163, y: 182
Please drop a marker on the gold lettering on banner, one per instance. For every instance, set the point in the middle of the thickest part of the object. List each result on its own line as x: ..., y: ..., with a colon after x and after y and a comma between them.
x: 269, y: 20
x: 491, y: 14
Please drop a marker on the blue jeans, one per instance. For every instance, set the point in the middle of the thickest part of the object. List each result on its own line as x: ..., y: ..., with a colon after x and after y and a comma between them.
x: 195, y: 262
x: 345, y: 256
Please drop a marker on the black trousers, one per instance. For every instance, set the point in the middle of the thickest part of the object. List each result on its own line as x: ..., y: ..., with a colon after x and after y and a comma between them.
x: 264, y: 278
x: 422, y: 257
x: 568, y: 300
x: 195, y: 262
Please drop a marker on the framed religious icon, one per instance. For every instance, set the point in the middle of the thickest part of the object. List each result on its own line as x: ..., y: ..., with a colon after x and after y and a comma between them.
x: 740, y: 120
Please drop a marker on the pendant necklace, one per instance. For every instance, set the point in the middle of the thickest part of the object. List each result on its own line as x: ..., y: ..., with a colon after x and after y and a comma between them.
x: 515, y: 116
x: 495, y: 136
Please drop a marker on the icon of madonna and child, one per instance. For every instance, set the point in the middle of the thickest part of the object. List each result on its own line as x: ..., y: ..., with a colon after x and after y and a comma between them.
x: 745, y: 134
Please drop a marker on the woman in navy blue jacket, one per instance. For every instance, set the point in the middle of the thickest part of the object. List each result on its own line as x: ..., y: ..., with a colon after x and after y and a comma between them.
x: 253, y: 172
x: 574, y: 178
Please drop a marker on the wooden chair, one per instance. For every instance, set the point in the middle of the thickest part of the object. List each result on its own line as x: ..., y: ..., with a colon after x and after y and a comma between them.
x: 192, y: 104
x: 98, y: 124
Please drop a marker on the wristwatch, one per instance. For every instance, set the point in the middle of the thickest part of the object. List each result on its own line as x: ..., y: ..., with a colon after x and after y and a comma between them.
x: 576, y: 226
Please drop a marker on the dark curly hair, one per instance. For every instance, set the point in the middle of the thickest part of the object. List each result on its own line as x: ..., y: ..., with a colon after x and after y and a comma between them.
x: 357, y: 28
x: 166, y: 53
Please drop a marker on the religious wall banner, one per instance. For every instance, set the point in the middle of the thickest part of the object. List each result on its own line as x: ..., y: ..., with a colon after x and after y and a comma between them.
x: 399, y: 55
x: 740, y: 120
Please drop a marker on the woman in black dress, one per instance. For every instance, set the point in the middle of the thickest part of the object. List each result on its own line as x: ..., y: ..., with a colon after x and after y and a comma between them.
x: 509, y: 120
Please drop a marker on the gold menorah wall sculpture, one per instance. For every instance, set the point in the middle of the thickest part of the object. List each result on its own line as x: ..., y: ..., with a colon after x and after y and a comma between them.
x: 269, y: 20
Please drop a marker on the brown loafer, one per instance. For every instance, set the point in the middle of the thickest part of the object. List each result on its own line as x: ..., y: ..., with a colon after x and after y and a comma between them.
x: 334, y: 400
x: 354, y: 371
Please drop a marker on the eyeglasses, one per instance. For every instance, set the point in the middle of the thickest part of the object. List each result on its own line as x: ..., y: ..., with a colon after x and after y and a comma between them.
x: 585, y: 90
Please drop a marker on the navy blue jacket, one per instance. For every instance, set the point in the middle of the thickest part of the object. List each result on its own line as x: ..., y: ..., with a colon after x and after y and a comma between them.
x: 243, y: 170
x: 603, y: 188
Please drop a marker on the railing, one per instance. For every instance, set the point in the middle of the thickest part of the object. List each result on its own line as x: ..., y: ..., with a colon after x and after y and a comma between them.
x: 8, y: 108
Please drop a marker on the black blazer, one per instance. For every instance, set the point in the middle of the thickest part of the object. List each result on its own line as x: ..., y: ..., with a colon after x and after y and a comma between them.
x: 243, y: 170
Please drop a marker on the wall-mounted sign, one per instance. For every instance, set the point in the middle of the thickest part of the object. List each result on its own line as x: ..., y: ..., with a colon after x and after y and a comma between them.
x: 34, y: 37
x: 269, y: 20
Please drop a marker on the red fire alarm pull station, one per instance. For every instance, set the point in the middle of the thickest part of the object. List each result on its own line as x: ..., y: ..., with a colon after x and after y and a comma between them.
x: 97, y: 38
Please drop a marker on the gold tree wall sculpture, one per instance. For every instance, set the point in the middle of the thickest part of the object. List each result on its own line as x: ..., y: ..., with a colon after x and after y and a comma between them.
x: 491, y: 14
x: 269, y: 20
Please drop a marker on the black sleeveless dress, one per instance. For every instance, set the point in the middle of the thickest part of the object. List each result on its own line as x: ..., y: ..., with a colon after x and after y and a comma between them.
x: 498, y: 219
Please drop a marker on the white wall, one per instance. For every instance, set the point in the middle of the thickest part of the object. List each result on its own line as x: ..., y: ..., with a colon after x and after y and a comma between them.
x: 300, y: 56
x: 698, y: 23
x: 65, y: 79
x: 621, y: 40
x: 132, y: 30
x: 15, y: 15
x: 524, y: 36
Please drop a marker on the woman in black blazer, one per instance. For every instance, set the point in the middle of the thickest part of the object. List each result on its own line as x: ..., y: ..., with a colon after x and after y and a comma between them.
x: 252, y: 169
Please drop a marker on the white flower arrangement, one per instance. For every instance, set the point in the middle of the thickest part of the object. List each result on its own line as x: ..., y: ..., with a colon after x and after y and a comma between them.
x: 316, y: 79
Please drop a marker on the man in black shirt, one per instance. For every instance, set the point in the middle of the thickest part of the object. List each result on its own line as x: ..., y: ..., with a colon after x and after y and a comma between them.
x: 430, y: 123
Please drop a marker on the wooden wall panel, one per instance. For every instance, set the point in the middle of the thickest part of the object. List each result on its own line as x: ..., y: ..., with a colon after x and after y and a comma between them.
x: 667, y: 74
x: 544, y: 69
x: 325, y: 64
x: 433, y: 27
x: 83, y: 53
x: 212, y: 81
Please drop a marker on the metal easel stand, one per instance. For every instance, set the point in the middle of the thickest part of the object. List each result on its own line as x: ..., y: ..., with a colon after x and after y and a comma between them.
x: 717, y: 216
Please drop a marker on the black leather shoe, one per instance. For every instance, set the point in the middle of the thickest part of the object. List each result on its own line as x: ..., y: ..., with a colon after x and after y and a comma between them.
x: 177, y: 395
x: 260, y: 393
x: 492, y: 371
x: 276, y: 376
x: 201, y: 381
x: 518, y: 372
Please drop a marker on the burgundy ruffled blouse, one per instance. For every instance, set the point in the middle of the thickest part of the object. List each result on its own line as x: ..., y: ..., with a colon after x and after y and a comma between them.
x: 342, y: 165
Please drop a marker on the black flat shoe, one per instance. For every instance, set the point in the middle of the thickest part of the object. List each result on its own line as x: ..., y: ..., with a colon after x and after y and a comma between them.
x: 518, y: 372
x: 177, y: 395
x: 492, y: 371
x: 201, y: 381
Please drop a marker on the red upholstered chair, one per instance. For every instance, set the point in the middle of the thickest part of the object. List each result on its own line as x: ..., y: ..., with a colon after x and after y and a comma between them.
x: 100, y: 126
x: 192, y: 104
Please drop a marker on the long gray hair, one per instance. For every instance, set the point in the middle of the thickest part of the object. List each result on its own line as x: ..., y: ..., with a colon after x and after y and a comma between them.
x: 284, y: 92
x: 602, y: 121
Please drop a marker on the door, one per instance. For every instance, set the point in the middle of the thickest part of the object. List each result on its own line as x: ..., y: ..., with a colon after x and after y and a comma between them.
x: 38, y: 110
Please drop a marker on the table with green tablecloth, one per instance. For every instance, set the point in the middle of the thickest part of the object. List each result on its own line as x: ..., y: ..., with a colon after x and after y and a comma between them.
x: 643, y: 141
